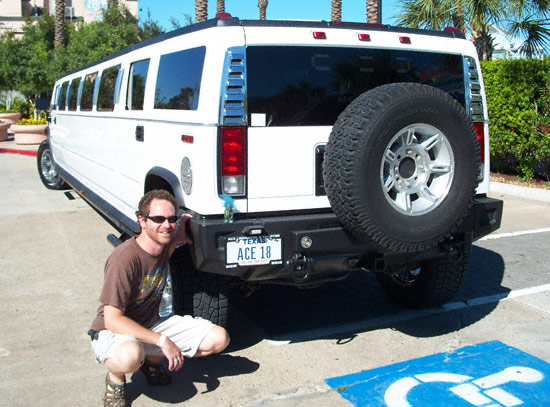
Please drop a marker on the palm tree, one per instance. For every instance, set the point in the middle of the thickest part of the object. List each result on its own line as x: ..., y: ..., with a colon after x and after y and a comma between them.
x: 220, y: 6
x: 201, y: 10
x: 262, y: 4
x: 531, y: 22
x: 525, y: 17
x: 59, y: 24
x: 374, y: 11
x: 336, y: 10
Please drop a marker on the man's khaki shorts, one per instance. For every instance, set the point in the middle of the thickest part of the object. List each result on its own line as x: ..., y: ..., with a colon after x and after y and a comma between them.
x: 185, y: 331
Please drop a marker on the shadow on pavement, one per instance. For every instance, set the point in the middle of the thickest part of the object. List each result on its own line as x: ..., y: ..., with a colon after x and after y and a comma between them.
x: 281, y: 312
x: 207, y: 370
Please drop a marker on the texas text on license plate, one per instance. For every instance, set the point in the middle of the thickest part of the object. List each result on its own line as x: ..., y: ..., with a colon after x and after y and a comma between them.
x: 253, y: 250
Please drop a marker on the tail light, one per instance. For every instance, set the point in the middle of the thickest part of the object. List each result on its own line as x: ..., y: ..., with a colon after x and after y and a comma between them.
x: 480, y: 135
x: 233, y: 161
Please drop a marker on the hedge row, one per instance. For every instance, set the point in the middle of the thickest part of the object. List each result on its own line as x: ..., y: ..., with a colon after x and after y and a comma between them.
x: 518, y: 100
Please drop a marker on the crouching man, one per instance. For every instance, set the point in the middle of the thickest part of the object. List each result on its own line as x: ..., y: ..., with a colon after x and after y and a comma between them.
x: 127, y: 334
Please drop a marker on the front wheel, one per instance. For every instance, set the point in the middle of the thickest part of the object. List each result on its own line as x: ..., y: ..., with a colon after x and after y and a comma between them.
x: 428, y: 284
x: 47, y: 170
x: 197, y: 293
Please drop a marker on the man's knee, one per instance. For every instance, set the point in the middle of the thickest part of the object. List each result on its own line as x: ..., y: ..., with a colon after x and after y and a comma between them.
x: 215, y: 342
x: 127, y: 357
x: 221, y: 338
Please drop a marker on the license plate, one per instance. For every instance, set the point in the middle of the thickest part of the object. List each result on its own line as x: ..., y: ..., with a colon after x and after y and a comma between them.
x: 253, y: 251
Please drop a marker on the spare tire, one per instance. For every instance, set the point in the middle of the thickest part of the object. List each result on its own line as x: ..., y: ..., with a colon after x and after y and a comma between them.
x: 401, y: 166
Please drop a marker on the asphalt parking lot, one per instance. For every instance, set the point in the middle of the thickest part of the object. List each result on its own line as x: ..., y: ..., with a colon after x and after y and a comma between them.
x: 286, y: 343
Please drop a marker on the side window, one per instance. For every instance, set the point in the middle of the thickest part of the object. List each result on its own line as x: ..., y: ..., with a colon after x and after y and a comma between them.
x: 73, y: 93
x: 87, y: 97
x: 107, y: 85
x: 62, y: 101
x: 179, y: 79
x: 56, y: 93
x: 136, y: 85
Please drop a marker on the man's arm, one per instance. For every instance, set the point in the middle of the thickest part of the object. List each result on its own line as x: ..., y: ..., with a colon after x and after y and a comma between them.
x: 117, y: 322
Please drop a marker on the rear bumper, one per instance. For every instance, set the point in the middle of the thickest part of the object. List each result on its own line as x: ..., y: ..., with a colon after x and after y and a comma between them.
x: 332, y: 245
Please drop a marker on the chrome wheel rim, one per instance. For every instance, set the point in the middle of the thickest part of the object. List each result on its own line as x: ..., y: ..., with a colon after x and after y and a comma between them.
x: 417, y: 169
x: 48, y: 168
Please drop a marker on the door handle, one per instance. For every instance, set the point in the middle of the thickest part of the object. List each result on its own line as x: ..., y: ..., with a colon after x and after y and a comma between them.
x: 140, y: 133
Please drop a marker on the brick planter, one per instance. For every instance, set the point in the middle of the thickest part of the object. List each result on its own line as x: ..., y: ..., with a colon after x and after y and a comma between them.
x: 29, y: 134
x: 10, y: 118
x: 4, y: 131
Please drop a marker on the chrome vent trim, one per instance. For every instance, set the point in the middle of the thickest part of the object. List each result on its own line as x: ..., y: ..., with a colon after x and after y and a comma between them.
x: 474, y: 100
x: 233, y: 91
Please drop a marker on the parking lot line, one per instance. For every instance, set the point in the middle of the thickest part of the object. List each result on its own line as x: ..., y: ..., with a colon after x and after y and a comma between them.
x: 513, y: 234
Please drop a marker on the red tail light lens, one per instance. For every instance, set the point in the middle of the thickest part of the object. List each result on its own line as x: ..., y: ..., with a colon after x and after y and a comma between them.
x: 233, y: 161
x: 233, y: 151
x: 480, y: 135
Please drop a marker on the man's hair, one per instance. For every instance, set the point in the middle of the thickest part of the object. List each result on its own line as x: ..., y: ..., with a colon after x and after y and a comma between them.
x: 144, y: 205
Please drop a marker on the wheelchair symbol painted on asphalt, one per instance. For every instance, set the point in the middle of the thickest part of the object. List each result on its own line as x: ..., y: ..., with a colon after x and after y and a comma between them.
x: 482, y: 392
x: 490, y: 374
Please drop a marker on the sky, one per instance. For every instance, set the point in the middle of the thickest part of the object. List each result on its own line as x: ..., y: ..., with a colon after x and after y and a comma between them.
x: 352, y: 10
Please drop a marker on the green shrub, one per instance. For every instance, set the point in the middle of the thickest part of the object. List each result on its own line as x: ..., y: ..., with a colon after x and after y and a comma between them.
x: 518, y: 100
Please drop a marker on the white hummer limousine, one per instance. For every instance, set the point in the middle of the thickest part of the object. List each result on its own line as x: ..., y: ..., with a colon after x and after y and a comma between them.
x: 303, y: 150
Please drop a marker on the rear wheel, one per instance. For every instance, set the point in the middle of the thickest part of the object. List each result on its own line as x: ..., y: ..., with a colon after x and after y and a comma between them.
x: 197, y: 293
x: 427, y: 284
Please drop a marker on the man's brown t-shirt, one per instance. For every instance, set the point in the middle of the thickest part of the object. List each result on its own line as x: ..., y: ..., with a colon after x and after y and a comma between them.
x: 134, y: 281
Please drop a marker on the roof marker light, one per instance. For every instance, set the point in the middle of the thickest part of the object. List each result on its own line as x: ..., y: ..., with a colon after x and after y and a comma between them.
x: 454, y: 29
x: 224, y: 16
x: 319, y: 35
x: 363, y: 37
x: 405, y: 40
x: 187, y: 139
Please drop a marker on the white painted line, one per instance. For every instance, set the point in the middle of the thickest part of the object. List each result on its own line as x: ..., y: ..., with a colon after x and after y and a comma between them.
x: 513, y: 234
x: 403, y: 316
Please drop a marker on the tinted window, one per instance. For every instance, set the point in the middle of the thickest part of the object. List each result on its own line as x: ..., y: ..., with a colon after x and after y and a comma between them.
x: 87, y: 97
x: 73, y: 93
x: 62, y: 102
x: 304, y: 86
x: 107, y: 84
x: 179, y: 79
x: 56, y: 92
x: 136, y: 87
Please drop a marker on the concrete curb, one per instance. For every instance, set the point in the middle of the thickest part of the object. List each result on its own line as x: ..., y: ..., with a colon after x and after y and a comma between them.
x: 535, y: 194
x: 16, y: 151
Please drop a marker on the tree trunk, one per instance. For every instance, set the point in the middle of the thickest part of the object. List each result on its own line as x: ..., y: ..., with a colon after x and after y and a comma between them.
x: 374, y: 11
x: 262, y: 4
x: 484, y: 45
x: 220, y: 6
x: 336, y: 10
x: 60, y: 33
x: 201, y: 10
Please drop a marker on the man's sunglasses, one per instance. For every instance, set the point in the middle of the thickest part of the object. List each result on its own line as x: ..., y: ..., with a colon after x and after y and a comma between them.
x: 162, y: 219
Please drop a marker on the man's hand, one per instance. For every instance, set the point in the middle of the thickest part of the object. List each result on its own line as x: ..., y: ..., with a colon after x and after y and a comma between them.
x: 180, y: 235
x: 173, y: 354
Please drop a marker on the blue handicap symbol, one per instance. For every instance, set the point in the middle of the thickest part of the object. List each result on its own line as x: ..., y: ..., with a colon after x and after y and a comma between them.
x: 490, y: 374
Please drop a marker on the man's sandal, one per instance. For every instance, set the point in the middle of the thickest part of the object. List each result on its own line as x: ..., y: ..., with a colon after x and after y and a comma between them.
x: 115, y: 393
x: 155, y: 374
